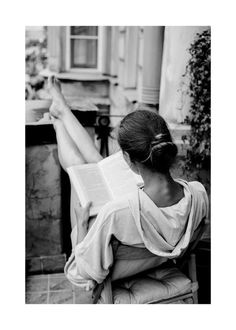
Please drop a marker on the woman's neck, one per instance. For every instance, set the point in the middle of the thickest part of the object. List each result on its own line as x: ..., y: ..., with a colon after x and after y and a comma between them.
x: 161, y: 188
x: 157, y: 181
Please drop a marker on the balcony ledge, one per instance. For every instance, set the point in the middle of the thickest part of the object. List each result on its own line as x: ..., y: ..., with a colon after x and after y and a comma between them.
x: 75, y: 76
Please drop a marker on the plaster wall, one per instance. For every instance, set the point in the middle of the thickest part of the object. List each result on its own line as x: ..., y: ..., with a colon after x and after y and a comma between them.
x: 174, y: 100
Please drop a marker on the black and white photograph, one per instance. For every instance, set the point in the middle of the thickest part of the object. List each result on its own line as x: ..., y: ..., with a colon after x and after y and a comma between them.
x: 117, y: 164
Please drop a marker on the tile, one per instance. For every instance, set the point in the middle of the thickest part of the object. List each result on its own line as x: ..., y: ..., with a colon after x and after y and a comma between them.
x: 59, y: 283
x: 53, y: 264
x: 81, y: 296
x: 37, y: 283
x: 36, y: 298
x: 61, y: 297
x: 61, y: 275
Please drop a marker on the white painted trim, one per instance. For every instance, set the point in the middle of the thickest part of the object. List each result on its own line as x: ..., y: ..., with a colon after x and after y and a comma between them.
x: 100, y: 40
x: 84, y: 37
x: 67, y: 48
x: 101, y: 32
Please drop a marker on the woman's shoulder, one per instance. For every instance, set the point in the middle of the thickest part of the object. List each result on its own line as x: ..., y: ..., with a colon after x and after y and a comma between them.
x: 196, y: 189
x: 118, y: 206
x: 198, y: 186
x: 194, y: 185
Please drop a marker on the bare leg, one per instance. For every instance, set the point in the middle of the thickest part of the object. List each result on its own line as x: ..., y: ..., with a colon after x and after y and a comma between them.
x: 68, y: 153
x: 74, y: 143
x: 75, y: 130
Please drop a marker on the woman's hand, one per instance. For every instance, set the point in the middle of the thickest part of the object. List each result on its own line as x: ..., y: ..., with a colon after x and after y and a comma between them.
x: 82, y: 214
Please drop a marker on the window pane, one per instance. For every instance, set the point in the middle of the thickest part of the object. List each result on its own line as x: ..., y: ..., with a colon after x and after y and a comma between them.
x: 84, y: 30
x: 83, y: 53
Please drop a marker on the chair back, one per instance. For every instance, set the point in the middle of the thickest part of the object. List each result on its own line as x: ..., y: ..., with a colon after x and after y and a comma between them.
x: 197, y: 235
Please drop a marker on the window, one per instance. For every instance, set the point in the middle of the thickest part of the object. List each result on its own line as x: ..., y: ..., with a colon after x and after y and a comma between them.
x: 84, y: 48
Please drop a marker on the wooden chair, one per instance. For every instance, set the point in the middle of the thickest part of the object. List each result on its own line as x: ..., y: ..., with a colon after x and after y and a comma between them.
x: 173, y: 282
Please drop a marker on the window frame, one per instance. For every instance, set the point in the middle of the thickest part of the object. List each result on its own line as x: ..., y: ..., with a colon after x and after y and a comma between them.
x: 100, y: 38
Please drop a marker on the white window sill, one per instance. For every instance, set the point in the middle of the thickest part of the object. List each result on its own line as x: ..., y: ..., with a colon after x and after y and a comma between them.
x: 77, y: 76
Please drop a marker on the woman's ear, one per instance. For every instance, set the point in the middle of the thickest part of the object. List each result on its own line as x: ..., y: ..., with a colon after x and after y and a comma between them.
x: 131, y: 164
x: 127, y: 158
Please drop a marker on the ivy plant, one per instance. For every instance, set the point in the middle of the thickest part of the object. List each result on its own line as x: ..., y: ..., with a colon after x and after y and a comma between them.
x: 199, y: 72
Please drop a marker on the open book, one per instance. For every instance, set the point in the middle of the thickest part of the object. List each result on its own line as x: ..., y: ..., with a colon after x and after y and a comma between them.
x: 100, y: 183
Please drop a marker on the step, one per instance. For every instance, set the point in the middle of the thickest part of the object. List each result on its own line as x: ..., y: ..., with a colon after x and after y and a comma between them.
x: 179, y: 130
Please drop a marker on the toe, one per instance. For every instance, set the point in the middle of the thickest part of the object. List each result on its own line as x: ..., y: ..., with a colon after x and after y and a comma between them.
x: 51, y: 81
x: 57, y: 83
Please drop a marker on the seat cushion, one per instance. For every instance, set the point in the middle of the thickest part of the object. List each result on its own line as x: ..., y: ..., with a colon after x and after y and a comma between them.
x: 154, y: 286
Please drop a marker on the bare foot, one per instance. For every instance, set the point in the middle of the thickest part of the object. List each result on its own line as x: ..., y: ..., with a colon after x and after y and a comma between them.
x: 59, y: 106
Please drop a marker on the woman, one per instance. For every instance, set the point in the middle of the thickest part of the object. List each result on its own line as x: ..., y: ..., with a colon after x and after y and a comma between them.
x: 160, y: 218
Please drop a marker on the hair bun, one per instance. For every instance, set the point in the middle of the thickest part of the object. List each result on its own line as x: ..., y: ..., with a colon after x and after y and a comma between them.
x: 163, y: 151
x: 161, y: 141
x: 159, y: 138
x: 161, y: 145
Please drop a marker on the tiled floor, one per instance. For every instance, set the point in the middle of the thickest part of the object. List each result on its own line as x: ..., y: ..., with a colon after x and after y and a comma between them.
x: 54, y: 289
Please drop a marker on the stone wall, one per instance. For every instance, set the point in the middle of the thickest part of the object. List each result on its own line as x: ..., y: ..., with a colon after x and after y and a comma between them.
x: 47, y: 201
x: 44, y: 237
x: 43, y: 201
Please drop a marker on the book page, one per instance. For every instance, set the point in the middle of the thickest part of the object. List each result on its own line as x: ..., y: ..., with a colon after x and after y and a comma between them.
x: 90, y: 185
x: 119, y: 177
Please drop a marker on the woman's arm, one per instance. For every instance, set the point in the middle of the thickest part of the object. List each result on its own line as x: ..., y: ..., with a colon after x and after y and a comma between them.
x: 92, y: 253
x: 82, y: 218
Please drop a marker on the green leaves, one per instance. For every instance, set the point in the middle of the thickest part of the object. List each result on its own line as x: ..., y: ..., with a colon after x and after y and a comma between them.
x: 199, y: 71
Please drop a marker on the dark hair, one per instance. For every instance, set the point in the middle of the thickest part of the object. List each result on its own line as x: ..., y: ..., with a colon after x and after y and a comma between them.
x: 144, y: 135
